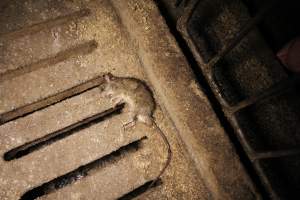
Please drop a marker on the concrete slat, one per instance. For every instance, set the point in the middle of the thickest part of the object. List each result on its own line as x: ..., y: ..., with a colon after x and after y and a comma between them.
x: 65, y: 155
x: 53, y: 118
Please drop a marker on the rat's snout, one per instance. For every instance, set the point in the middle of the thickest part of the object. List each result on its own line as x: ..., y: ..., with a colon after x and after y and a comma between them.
x: 103, y: 90
x: 103, y: 87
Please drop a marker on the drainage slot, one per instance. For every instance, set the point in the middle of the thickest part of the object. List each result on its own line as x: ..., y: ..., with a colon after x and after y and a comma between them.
x: 80, y: 49
x: 81, y: 171
x: 34, y: 145
x: 140, y: 190
x: 45, y: 25
x: 50, y: 100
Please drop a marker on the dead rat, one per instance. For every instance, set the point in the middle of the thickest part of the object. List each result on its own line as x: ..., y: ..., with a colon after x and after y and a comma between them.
x: 140, y: 104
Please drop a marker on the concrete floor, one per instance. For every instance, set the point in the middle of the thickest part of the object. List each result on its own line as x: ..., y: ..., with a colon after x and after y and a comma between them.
x: 38, y: 60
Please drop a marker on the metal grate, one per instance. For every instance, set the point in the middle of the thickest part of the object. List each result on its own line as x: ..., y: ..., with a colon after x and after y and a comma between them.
x: 241, y: 108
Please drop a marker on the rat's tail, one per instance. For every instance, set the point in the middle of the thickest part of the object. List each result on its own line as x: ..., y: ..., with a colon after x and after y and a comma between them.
x: 165, y: 139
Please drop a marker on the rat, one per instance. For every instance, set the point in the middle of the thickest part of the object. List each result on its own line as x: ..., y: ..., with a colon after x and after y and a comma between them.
x: 140, y: 105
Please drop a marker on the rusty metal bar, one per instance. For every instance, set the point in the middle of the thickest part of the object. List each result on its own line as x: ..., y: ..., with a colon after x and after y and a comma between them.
x: 244, y: 31
x: 275, y: 154
x: 265, y: 180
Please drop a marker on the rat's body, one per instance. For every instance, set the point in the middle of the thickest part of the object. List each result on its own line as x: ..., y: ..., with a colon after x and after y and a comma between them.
x: 139, y: 100
x: 133, y: 92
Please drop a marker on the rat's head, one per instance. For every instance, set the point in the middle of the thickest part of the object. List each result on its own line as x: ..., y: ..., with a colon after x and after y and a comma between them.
x: 109, y: 86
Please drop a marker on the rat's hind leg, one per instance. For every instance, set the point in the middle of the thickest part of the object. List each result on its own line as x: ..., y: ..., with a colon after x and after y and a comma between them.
x: 129, y: 124
x: 148, y: 120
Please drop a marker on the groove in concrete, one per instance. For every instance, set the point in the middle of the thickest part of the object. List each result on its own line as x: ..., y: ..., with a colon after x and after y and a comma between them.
x: 29, y: 147
x: 81, y: 171
x: 81, y: 49
x: 140, y: 190
x: 44, y: 25
x: 53, y: 99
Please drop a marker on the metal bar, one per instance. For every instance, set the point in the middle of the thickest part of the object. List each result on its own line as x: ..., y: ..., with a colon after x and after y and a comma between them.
x: 265, y: 180
x: 275, y: 154
x: 274, y: 90
x: 244, y: 31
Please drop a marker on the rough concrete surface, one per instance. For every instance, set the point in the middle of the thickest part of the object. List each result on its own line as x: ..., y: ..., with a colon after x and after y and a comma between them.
x: 205, y: 140
x: 132, y: 40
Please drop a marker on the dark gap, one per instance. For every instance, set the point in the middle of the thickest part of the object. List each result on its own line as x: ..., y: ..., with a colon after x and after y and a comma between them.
x: 140, y: 190
x: 3, y: 5
x: 265, y: 121
x: 81, y: 171
x: 177, y: 3
x: 34, y: 145
x: 283, y: 171
x: 281, y: 25
x: 198, y: 27
x: 212, y: 99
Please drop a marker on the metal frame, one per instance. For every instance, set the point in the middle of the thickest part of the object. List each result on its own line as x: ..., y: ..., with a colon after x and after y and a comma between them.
x: 231, y: 110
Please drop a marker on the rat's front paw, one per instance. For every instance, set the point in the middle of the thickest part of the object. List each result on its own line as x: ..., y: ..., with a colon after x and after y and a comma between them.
x: 129, y: 124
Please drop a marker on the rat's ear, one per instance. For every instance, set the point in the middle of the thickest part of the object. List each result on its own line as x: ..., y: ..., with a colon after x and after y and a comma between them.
x: 108, y: 77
